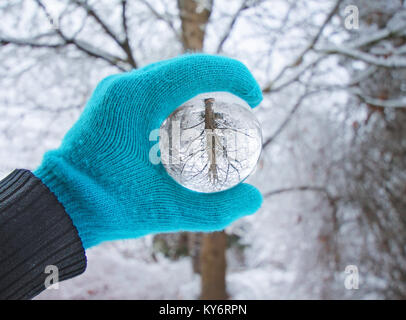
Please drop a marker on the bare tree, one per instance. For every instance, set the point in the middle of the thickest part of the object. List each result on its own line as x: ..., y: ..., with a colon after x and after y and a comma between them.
x: 376, y: 157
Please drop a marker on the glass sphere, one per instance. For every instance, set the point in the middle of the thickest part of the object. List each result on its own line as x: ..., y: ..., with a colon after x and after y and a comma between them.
x: 211, y: 142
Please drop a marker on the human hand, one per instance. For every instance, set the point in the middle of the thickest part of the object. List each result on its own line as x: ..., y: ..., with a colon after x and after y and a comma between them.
x: 102, y: 174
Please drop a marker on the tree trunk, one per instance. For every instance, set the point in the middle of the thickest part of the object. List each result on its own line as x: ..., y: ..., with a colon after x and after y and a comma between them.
x: 208, y: 250
x: 194, y: 18
x: 213, y: 266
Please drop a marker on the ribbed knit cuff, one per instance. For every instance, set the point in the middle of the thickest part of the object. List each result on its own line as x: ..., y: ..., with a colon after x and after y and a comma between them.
x: 35, y: 232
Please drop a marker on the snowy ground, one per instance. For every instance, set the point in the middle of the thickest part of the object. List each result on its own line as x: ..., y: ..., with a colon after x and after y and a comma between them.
x: 113, y: 275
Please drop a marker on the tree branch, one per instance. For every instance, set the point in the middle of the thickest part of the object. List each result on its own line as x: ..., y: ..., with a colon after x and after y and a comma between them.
x: 29, y: 42
x: 309, y: 47
x: 378, y: 35
x: 390, y: 63
x: 162, y: 18
x: 391, y: 103
x: 126, y: 43
x: 79, y: 44
x: 299, y: 188
x: 91, y: 12
x: 287, y: 119
x: 124, y: 18
x: 226, y: 35
x: 275, y: 87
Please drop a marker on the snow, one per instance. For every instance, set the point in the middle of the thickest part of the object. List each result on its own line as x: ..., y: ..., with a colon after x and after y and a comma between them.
x: 112, y: 275
x: 285, y: 253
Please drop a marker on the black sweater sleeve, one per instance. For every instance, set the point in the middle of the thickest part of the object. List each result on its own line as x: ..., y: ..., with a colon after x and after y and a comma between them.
x: 35, y: 232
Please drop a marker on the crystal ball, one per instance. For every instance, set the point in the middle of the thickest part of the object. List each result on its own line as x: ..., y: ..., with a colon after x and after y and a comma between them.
x: 211, y: 143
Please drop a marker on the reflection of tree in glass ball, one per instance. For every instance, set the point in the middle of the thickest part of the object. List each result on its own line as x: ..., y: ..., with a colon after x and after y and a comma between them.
x: 211, y: 143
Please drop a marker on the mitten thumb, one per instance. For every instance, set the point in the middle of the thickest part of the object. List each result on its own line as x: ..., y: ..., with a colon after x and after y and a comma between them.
x: 215, y: 211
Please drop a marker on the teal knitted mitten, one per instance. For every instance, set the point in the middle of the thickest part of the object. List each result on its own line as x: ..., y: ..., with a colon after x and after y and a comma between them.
x: 102, y: 174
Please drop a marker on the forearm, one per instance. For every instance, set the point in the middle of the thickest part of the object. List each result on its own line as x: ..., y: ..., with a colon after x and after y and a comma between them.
x: 35, y: 232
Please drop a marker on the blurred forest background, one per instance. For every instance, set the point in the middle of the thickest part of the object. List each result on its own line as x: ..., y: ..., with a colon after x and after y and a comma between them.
x: 333, y: 168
